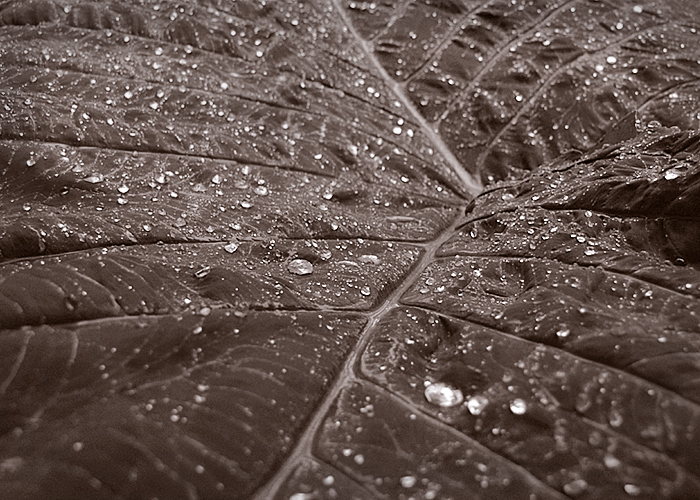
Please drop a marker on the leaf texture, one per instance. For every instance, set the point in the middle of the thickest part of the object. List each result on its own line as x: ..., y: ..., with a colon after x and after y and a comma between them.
x: 510, y: 85
x: 241, y: 257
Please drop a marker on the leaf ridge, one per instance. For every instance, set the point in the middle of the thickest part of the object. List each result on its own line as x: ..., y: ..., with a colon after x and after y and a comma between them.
x: 470, y: 183
x: 303, y: 446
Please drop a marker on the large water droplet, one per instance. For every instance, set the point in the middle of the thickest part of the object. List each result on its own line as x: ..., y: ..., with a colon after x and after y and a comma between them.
x: 300, y: 267
x: 444, y: 395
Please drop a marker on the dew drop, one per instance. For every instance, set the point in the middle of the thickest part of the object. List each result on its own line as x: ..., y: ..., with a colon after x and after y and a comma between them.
x: 408, y: 481
x: 633, y: 490
x: 368, y: 259
x: 563, y: 332
x: 366, y: 291
x: 669, y: 175
x: 476, y: 404
x: 575, y: 487
x: 202, y: 272
x: 518, y: 406
x: 94, y: 178
x: 444, y: 395
x: 231, y: 247
x: 300, y: 267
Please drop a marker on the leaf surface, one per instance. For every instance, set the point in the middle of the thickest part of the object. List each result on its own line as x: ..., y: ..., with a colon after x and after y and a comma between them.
x: 241, y: 255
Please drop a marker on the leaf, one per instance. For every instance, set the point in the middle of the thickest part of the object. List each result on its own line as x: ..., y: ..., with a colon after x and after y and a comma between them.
x: 241, y: 257
x: 511, y: 86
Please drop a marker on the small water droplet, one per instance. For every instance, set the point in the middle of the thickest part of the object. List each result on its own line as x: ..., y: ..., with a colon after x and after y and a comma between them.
x: 201, y: 273
x: 518, y: 406
x: 563, y: 332
x: 261, y: 190
x: 368, y: 259
x: 300, y: 267
x: 94, y: 178
x: 575, y: 487
x: 476, y: 404
x: 123, y: 189
x: 669, y: 175
x: 366, y: 291
x: 633, y: 490
x: 408, y: 481
x: 444, y: 395
x: 231, y: 247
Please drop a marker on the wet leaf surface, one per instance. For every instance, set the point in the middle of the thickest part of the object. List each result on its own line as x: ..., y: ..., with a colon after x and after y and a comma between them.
x: 241, y: 254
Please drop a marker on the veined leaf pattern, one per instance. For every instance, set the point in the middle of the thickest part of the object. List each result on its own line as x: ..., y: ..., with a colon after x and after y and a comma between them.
x: 510, y: 85
x: 242, y: 257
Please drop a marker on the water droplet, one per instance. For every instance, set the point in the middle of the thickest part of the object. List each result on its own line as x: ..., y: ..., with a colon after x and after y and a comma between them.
x: 669, y: 175
x: 368, y: 259
x: 359, y: 459
x: 615, y: 418
x: 444, y: 395
x: 94, y: 178
x: 232, y: 246
x: 366, y: 291
x: 128, y: 94
x: 518, y: 406
x: 611, y: 59
x: 260, y: 190
x: 201, y: 273
x: 123, y: 189
x: 633, y: 490
x: 397, y: 130
x: 575, y: 487
x: 31, y: 162
x: 476, y: 404
x: 408, y: 481
x: 300, y: 267
x: 303, y: 496
x: 563, y: 332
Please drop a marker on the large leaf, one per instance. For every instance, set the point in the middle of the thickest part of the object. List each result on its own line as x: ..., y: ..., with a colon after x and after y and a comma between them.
x: 241, y: 258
